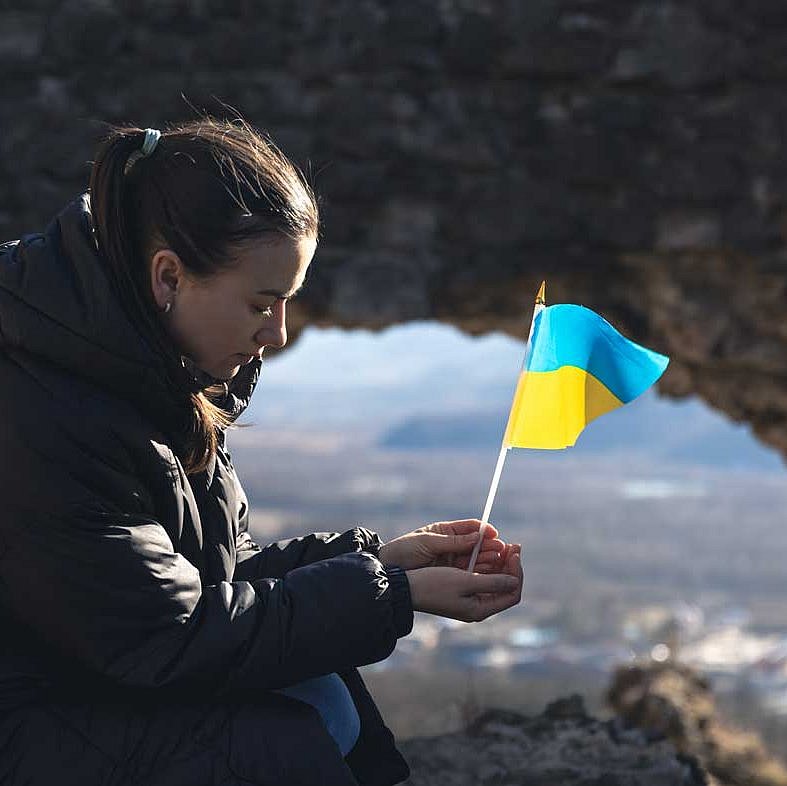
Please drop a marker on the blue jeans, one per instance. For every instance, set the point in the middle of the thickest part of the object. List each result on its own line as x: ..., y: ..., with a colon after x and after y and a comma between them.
x: 329, y: 695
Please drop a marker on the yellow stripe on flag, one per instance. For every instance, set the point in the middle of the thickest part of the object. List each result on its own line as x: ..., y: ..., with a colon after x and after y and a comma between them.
x: 551, y: 408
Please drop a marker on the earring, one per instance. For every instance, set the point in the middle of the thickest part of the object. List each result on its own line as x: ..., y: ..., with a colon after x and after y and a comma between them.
x: 168, y: 307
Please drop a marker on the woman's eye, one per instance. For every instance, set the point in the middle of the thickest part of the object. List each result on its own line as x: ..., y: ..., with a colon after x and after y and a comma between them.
x: 263, y: 312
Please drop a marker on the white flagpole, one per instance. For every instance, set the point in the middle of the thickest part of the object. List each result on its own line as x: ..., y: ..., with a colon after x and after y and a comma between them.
x: 490, y: 498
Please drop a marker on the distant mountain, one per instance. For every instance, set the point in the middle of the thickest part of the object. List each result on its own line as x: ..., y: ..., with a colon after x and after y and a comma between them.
x: 457, y: 431
x: 681, y: 432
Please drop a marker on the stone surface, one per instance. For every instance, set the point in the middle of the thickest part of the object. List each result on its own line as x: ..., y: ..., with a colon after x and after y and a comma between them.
x: 561, y: 747
x: 665, y: 732
x: 630, y: 153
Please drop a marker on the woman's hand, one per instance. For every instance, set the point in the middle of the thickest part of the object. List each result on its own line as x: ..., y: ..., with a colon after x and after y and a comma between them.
x: 469, y: 597
x: 446, y: 543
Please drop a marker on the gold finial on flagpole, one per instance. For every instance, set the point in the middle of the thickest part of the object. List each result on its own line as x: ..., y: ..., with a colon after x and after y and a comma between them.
x: 541, y: 296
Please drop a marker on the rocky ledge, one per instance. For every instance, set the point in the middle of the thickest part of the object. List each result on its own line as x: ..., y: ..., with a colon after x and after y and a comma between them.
x: 665, y: 732
x: 563, y: 746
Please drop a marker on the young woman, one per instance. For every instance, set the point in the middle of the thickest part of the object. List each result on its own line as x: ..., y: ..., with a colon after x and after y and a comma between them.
x: 146, y: 638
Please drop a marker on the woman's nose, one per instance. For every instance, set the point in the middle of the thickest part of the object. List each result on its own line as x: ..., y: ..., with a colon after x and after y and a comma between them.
x: 274, y: 333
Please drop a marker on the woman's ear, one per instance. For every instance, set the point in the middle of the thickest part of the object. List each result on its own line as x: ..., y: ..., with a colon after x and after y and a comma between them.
x: 166, y: 275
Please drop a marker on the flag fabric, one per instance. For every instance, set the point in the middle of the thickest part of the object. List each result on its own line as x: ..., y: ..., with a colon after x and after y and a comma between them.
x: 576, y: 367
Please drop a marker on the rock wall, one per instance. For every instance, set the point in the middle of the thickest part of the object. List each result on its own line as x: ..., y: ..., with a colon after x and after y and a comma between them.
x: 628, y: 152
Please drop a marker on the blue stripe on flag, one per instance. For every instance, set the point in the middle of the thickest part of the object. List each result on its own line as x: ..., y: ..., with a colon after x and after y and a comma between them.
x: 570, y: 335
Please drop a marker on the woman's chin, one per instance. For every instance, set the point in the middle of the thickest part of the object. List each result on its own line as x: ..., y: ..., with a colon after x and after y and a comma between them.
x: 229, y: 369
x: 225, y: 372
x: 233, y: 371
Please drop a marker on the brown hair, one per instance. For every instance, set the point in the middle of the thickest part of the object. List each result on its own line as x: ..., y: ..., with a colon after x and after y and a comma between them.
x: 209, y: 185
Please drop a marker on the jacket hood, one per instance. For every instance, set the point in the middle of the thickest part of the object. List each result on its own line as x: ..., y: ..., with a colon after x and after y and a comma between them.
x: 58, y: 303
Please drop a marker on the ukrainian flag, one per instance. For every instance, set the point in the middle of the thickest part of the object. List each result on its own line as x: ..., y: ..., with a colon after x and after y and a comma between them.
x: 577, y: 367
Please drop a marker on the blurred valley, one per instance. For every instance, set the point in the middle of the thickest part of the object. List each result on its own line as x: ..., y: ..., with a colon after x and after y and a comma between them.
x: 660, y: 534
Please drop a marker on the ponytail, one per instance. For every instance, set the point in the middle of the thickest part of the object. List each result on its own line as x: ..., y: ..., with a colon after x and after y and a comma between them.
x: 207, y: 418
x: 113, y: 234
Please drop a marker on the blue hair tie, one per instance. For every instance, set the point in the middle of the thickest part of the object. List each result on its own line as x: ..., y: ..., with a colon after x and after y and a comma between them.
x: 152, y: 136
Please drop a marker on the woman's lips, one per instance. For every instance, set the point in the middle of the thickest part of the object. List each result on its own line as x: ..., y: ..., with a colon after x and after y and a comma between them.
x: 249, y: 358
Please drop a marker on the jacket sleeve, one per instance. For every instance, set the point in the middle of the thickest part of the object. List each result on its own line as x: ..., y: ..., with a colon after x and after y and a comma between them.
x: 282, y: 556
x: 101, y: 584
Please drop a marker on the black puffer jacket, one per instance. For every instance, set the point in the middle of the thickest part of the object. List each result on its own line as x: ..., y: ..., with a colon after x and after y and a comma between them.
x: 142, y: 628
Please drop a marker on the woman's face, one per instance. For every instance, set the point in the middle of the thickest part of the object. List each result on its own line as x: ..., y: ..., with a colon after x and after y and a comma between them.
x: 228, y: 319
